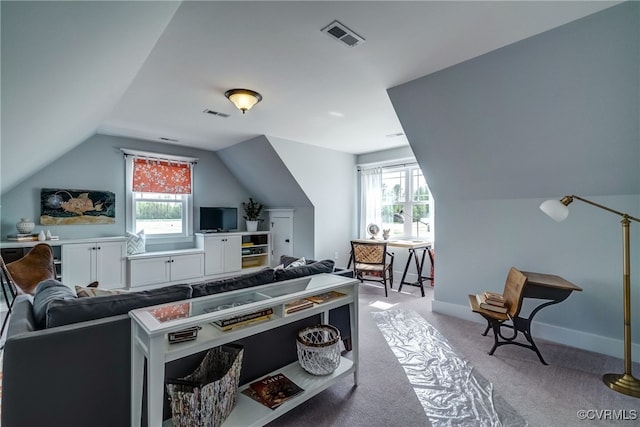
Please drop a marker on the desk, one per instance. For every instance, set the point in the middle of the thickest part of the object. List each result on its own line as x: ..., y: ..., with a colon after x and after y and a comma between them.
x: 413, y: 246
x: 548, y: 287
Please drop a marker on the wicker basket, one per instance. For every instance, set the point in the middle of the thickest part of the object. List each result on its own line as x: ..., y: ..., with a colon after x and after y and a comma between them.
x: 319, y: 349
x: 206, y: 397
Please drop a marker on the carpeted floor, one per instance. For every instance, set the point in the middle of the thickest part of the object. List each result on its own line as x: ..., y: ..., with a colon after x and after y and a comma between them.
x: 544, y: 396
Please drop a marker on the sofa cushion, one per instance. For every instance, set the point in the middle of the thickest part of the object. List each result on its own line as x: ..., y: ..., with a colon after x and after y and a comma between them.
x: 231, y: 284
x: 46, y: 292
x: 64, y: 312
x: 94, y: 291
x: 287, y: 260
x: 325, y: 266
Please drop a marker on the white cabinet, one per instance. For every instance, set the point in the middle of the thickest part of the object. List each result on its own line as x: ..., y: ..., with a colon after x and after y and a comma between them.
x: 162, y: 268
x: 102, y: 261
x: 222, y: 252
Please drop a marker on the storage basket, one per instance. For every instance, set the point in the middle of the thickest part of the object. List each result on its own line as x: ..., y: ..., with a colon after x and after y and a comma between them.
x: 319, y: 349
x: 206, y: 397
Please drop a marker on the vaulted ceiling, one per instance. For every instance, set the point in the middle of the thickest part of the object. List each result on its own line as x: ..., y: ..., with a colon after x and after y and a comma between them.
x: 149, y: 69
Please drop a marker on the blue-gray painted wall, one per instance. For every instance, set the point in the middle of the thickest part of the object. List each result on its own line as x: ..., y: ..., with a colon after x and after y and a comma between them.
x: 554, y: 114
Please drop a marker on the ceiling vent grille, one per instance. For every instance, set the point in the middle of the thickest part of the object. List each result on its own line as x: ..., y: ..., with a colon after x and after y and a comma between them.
x: 216, y: 113
x: 340, y: 32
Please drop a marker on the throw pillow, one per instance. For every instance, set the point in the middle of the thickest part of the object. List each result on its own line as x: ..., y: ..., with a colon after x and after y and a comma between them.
x: 46, y: 292
x: 135, y: 243
x: 297, y: 263
x: 325, y: 266
x: 93, y: 291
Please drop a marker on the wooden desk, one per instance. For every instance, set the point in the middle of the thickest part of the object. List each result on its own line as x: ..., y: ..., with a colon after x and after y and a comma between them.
x: 413, y: 246
x: 553, y: 289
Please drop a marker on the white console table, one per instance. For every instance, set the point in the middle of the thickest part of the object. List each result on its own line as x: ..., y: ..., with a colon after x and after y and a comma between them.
x: 149, y: 340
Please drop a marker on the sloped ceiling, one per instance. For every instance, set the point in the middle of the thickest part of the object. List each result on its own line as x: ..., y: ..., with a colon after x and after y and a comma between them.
x: 148, y: 69
x: 555, y: 114
x: 65, y: 66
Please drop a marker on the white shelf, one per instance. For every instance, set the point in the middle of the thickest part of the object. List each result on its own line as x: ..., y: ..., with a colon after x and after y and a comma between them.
x: 249, y: 413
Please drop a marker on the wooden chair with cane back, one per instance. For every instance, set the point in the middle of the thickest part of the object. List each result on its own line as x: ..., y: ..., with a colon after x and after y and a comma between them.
x: 372, y: 261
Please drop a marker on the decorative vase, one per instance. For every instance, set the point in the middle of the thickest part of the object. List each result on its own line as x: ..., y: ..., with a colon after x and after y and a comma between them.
x: 25, y: 226
x: 41, y: 236
x: 252, y: 225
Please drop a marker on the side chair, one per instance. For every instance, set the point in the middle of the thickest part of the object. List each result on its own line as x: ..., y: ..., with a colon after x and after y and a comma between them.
x: 372, y: 261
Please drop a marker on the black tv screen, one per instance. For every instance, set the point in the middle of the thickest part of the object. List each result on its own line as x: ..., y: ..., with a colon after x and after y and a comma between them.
x: 218, y: 219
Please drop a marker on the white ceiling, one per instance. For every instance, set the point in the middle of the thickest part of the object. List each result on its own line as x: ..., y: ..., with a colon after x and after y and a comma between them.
x: 148, y: 69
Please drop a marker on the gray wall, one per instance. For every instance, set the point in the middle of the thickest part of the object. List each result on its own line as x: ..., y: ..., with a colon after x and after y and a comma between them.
x: 328, y: 178
x: 260, y: 169
x: 554, y: 114
x: 98, y: 164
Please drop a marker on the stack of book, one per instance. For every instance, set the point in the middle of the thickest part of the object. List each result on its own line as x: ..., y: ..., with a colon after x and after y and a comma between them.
x: 243, y: 319
x: 273, y: 391
x: 492, y: 301
x: 22, y: 237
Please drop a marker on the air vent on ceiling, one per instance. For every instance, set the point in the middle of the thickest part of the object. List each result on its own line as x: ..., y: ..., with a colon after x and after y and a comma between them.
x: 340, y: 32
x: 162, y: 138
x: 215, y: 113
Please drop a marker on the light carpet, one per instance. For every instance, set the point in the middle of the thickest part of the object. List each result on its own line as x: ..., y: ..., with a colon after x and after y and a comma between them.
x: 449, y: 389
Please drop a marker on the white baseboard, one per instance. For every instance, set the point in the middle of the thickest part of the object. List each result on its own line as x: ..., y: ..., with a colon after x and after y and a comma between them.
x: 571, y: 337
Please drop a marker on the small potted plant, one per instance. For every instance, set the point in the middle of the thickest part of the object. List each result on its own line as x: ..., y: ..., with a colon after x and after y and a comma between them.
x: 252, y: 212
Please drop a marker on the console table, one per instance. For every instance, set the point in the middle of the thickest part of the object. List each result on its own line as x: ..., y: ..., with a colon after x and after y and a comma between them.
x: 150, y: 342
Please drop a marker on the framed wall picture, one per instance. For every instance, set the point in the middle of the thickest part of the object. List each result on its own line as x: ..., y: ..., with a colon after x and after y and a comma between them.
x: 72, y: 207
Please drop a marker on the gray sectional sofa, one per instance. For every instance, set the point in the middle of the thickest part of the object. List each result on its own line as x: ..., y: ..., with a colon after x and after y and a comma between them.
x: 74, y: 368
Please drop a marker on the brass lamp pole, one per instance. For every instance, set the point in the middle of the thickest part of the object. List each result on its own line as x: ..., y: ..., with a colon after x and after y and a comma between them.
x: 623, y: 383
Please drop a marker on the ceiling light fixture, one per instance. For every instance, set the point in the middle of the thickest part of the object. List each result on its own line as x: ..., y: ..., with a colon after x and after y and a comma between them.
x: 244, y: 99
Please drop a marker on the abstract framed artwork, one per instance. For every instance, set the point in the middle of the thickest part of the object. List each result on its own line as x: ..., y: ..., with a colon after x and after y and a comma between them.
x: 72, y: 207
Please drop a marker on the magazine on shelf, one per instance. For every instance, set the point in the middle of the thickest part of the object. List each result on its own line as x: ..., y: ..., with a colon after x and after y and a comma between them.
x: 272, y: 391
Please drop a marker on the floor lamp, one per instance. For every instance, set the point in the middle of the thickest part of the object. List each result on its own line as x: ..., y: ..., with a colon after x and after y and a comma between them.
x: 623, y: 383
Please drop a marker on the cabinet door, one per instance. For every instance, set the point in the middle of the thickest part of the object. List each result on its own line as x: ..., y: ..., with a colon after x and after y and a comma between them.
x: 111, y: 264
x: 185, y: 267
x: 213, y: 255
x: 150, y: 271
x: 233, y: 253
x: 78, y: 264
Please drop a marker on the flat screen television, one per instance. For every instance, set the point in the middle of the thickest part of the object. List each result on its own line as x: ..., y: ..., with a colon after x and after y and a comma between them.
x: 218, y: 219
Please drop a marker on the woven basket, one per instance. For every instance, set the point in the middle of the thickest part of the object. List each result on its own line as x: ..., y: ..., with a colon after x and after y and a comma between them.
x: 206, y: 397
x: 319, y: 349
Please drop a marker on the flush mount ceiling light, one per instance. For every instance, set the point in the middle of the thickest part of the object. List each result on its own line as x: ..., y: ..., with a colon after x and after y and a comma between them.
x: 244, y: 99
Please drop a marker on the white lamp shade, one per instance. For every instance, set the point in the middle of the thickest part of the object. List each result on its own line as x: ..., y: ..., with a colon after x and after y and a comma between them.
x: 555, y: 209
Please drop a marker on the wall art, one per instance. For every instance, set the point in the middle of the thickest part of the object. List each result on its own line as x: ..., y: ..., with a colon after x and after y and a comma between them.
x: 72, y: 207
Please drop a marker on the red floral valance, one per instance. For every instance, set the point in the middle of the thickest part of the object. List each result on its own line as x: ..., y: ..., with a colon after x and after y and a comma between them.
x: 161, y: 176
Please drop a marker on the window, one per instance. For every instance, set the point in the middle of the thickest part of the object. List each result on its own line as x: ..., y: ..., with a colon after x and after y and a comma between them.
x: 159, y: 199
x: 405, y: 206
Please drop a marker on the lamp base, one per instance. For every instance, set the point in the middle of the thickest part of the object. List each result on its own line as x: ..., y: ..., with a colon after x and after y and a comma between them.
x: 623, y: 383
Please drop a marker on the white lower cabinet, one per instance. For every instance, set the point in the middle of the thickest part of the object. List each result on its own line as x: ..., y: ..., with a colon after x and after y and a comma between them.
x: 158, y: 268
x: 105, y: 262
x: 222, y: 252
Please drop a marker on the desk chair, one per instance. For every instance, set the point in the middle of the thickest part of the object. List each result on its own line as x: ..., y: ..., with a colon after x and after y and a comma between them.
x: 370, y: 261
x: 9, y: 291
x: 513, y: 294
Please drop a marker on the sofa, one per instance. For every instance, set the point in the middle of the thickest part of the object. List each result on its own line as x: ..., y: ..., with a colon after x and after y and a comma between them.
x: 67, y: 359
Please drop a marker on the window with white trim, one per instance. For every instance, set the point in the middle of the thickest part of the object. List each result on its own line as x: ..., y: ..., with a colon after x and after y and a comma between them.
x: 159, y: 196
x: 404, y: 204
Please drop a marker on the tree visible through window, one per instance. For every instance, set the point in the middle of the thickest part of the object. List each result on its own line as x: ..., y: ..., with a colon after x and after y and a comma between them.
x: 406, y: 203
x: 159, y: 194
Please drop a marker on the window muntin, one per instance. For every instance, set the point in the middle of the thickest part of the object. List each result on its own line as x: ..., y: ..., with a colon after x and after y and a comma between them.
x: 405, y: 194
